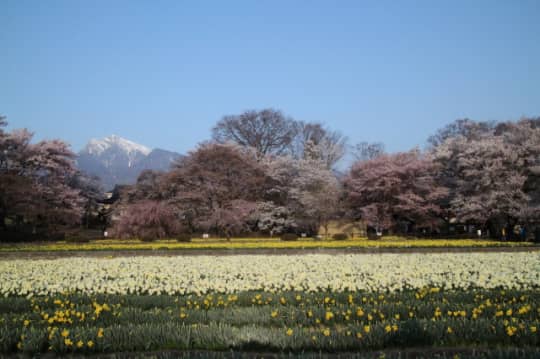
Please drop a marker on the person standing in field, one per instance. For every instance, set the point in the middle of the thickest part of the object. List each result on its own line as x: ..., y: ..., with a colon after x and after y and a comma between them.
x: 523, y: 233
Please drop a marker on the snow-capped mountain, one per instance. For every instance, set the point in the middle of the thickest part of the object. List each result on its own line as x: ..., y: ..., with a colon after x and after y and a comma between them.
x: 96, y: 146
x: 116, y: 160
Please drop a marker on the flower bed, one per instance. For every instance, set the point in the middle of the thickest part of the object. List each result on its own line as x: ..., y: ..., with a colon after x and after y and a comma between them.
x: 278, y: 322
x: 229, y: 274
x: 282, y: 304
x: 259, y: 243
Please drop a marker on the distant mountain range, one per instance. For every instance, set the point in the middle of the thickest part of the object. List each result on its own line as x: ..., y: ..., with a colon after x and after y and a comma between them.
x: 116, y: 160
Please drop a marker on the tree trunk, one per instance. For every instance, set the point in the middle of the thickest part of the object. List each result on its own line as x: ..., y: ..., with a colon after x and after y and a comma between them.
x: 3, y: 220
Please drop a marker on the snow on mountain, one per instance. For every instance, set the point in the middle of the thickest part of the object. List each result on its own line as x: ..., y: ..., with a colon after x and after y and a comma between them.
x: 96, y: 146
x: 116, y: 160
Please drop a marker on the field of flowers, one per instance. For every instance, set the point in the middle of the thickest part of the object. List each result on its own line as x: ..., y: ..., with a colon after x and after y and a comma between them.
x: 231, y: 274
x: 282, y: 304
x: 258, y: 243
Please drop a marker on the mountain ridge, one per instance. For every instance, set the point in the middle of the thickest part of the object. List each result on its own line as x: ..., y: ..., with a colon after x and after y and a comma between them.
x: 116, y: 160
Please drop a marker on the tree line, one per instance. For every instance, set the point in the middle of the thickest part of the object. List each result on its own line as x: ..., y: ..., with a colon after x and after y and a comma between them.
x: 264, y: 172
x: 41, y: 190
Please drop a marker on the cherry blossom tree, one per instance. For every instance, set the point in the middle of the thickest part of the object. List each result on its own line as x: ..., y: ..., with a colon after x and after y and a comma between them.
x: 274, y: 219
x: 393, y: 188
x: 492, y: 173
x: 316, y: 193
x: 216, y: 187
x: 523, y: 137
x: 304, y: 194
x: 234, y: 218
x: 467, y: 128
x: 35, y: 182
x: 482, y: 179
x: 148, y: 220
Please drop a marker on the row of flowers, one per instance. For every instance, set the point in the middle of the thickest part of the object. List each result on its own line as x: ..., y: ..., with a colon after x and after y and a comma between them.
x: 231, y: 274
x: 254, y: 243
x: 281, y: 321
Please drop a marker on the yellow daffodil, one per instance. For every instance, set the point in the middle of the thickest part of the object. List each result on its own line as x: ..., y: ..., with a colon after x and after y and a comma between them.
x: 328, y: 316
x: 511, y: 330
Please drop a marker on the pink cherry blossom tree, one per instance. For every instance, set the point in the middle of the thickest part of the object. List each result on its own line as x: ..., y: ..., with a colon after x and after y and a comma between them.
x: 216, y: 187
x: 492, y: 172
x: 393, y: 188
x: 35, y: 182
x: 302, y: 194
x: 148, y: 220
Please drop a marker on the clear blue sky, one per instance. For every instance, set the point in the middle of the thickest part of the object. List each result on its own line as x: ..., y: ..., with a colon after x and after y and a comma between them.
x: 162, y: 73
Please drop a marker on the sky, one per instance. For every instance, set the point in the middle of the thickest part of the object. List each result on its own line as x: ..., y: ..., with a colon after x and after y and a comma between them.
x: 162, y: 73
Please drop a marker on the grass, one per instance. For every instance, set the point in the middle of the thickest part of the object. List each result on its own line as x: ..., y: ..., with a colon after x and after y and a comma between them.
x: 256, y: 243
x: 285, y: 322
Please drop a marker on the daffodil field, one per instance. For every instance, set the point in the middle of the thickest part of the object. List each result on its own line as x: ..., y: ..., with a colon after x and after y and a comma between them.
x: 280, y: 304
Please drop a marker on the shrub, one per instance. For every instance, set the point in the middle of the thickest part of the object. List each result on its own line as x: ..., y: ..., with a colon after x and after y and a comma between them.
x: 9, y: 236
x: 147, y: 238
x: 340, y: 236
x: 183, y: 237
x: 55, y: 236
x: 372, y: 234
x: 289, y: 237
x: 83, y: 235
x: 77, y: 240
x: 148, y: 221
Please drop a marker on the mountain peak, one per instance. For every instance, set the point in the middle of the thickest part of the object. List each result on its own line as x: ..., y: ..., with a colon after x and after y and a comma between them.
x: 98, y: 146
x: 117, y: 160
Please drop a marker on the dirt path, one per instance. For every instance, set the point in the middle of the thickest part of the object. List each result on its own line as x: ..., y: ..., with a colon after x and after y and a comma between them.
x: 263, y: 251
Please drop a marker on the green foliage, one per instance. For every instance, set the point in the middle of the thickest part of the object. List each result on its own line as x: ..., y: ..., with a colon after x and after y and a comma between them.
x: 285, y: 322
